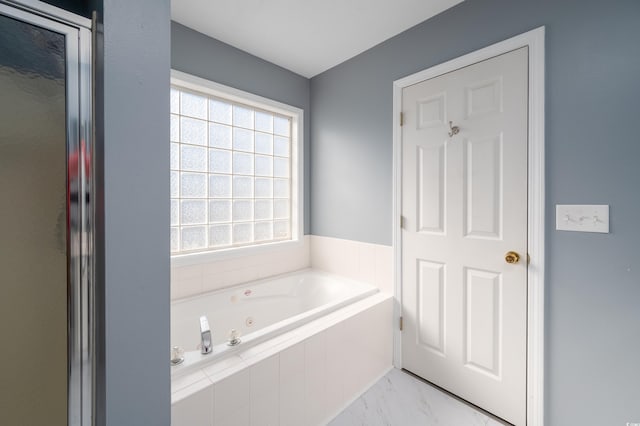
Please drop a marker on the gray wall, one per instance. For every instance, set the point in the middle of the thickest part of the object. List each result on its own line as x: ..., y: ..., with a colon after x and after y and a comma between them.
x: 592, y: 109
x: 133, y: 261
x: 197, y: 54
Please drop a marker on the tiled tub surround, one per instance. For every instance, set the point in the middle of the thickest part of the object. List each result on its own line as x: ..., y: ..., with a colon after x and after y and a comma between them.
x: 305, y: 376
x: 259, y: 310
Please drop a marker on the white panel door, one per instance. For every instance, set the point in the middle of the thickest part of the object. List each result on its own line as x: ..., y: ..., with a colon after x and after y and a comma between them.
x: 464, y: 206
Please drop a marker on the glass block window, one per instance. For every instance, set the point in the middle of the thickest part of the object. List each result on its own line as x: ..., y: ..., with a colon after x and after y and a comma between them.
x: 230, y: 174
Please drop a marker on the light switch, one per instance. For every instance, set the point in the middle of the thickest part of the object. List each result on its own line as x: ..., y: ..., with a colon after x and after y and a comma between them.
x: 582, y: 218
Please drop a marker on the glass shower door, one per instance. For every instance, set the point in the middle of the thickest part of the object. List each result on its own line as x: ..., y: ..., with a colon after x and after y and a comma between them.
x: 43, y: 166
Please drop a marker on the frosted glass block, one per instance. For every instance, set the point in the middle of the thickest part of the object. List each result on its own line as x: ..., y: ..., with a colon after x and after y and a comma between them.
x: 193, y: 185
x: 193, y: 158
x: 242, y: 210
x: 242, y: 117
x: 219, y: 235
x: 175, y: 128
x: 219, y: 111
x: 219, y: 161
x: 175, y: 240
x: 193, y: 131
x: 280, y: 167
x: 281, y: 229
x: 175, y: 156
x: 175, y: 213
x: 220, y: 186
x: 219, y: 136
x: 281, y: 209
x: 242, y: 163
x: 194, y: 238
x: 281, y: 146
x: 281, y: 188
x: 264, y: 188
x: 264, y: 165
x: 242, y: 187
x: 281, y: 126
x: 263, y: 231
x: 264, y: 210
x: 264, y: 122
x: 264, y: 143
x: 175, y: 101
x: 175, y: 185
x: 242, y: 139
x: 220, y: 211
x: 193, y: 212
x: 242, y: 233
x: 193, y: 105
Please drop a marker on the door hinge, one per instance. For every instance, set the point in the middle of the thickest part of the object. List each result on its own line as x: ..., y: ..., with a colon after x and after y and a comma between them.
x: 401, y: 119
x: 401, y: 324
x: 402, y: 222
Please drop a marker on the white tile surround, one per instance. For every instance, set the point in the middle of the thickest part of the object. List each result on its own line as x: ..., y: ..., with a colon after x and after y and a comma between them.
x: 302, y: 377
x: 371, y: 263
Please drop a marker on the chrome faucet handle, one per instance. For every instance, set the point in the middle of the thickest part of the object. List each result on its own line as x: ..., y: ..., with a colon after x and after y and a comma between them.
x: 206, y: 345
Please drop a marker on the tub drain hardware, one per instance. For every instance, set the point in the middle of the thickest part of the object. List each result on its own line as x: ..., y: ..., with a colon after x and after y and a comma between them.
x: 234, y: 338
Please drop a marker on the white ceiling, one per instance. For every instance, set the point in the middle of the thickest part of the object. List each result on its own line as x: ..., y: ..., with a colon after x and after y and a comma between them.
x: 304, y: 36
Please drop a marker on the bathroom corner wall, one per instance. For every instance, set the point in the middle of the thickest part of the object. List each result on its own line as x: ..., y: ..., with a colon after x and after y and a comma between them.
x: 371, y: 263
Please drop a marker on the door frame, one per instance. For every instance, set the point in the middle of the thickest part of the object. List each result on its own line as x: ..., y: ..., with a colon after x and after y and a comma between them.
x: 534, y: 40
x: 80, y: 235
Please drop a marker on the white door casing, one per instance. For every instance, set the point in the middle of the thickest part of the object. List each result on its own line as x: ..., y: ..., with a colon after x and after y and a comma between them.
x: 464, y: 205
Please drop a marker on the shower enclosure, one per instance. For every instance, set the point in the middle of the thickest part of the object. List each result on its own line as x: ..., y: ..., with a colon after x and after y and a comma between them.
x: 46, y: 216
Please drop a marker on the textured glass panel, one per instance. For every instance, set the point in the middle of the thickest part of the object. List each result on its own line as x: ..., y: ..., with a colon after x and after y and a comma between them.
x: 193, y: 131
x: 194, y: 238
x: 175, y: 101
x: 264, y: 122
x: 175, y: 212
x: 242, y: 233
x: 220, y: 211
x: 264, y: 165
x: 242, y: 117
x: 281, y: 146
x: 175, y: 239
x: 281, y: 126
x: 219, y: 235
x: 219, y: 161
x: 281, y: 229
x: 193, y: 158
x: 193, y: 105
x: 264, y: 143
x: 175, y: 128
x: 242, y: 187
x: 175, y: 185
x: 219, y: 136
x: 220, y: 186
x: 281, y: 188
x: 219, y: 111
x: 242, y: 210
x: 175, y: 156
x: 281, y: 209
x: 193, y: 185
x: 264, y: 188
x: 263, y: 231
x: 242, y: 163
x: 193, y: 212
x: 264, y: 209
x: 280, y: 167
x: 33, y: 213
x: 242, y: 139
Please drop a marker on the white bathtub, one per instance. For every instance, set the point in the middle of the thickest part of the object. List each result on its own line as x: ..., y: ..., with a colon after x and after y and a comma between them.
x: 259, y: 311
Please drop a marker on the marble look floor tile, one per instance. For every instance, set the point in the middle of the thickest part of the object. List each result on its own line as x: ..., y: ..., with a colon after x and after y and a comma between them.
x: 401, y: 399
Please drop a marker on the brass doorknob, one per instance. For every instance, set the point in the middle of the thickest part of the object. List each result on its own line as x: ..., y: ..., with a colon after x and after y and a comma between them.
x: 512, y: 257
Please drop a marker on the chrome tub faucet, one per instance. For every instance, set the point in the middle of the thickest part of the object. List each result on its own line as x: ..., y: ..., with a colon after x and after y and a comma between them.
x: 206, y: 345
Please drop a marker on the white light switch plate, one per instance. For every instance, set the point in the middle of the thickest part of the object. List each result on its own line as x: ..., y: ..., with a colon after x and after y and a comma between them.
x: 582, y: 218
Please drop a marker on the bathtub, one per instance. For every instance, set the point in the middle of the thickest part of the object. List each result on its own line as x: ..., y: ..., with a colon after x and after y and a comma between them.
x: 258, y: 311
